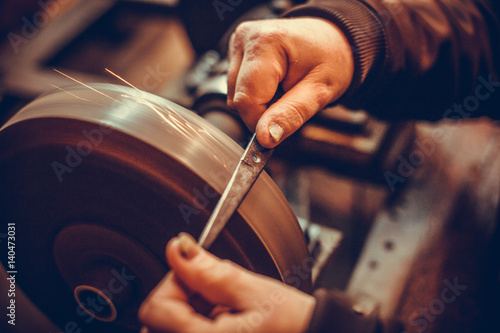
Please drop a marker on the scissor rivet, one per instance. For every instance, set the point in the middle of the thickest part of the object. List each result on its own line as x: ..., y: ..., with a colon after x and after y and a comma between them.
x: 256, y: 158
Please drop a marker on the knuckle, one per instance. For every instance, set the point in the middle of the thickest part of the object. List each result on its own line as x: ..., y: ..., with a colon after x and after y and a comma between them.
x: 206, y: 270
x: 230, y: 103
x: 142, y: 314
x: 145, y: 310
x: 296, y: 114
x: 270, y: 34
x: 241, y: 31
x: 229, y: 271
x: 269, y: 30
x: 242, y: 28
x: 260, y: 42
x: 241, y: 101
x: 323, y: 93
x: 220, y: 272
x: 255, y: 35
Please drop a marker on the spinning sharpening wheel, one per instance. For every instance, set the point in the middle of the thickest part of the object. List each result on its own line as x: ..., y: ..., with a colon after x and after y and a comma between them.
x: 97, y: 182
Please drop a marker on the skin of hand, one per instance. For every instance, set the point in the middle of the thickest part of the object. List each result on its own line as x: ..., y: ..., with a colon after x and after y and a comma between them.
x: 310, y: 57
x: 239, y: 300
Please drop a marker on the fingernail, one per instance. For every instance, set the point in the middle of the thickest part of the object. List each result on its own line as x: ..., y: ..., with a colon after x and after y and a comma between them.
x: 188, y: 246
x: 276, y: 132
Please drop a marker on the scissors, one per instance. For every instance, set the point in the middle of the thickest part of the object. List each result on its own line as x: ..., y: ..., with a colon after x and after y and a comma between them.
x: 247, y: 171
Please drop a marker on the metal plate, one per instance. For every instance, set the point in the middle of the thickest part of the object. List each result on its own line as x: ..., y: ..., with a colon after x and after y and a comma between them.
x: 98, y: 180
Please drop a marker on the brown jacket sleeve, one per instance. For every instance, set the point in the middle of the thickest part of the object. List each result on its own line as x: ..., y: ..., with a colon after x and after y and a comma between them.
x: 429, y: 59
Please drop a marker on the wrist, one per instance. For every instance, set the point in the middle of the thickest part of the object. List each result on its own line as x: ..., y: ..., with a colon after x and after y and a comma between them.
x: 363, y: 30
x: 343, y: 55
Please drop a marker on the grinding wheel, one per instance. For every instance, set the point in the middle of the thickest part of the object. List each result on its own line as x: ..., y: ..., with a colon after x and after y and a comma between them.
x: 98, y: 180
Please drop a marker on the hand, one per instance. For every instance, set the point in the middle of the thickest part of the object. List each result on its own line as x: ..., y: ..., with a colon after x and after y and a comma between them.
x: 310, y: 57
x: 245, y: 301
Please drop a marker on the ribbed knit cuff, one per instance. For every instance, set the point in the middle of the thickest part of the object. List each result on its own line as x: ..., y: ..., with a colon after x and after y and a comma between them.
x: 362, y: 28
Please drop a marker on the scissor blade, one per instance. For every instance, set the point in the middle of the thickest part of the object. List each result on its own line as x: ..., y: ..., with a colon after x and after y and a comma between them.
x: 250, y: 166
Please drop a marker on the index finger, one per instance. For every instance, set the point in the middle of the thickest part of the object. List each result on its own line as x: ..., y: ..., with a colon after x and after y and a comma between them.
x: 256, y: 85
x: 235, y: 55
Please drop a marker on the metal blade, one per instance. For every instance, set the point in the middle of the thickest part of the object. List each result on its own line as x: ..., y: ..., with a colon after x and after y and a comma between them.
x: 250, y: 166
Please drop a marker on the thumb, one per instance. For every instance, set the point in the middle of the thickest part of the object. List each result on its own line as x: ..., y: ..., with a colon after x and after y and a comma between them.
x: 220, y: 282
x: 294, y: 108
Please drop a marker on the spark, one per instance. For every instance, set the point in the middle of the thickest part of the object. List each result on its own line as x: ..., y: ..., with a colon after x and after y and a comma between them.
x: 120, y: 78
x: 137, y: 98
x: 164, y: 107
x: 86, y: 85
x: 151, y: 106
x: 75, y: 96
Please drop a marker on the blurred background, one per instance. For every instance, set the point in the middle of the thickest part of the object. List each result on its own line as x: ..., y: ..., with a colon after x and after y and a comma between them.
x: 377, y: 201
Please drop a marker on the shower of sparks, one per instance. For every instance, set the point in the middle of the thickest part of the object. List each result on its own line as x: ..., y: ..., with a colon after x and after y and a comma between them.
x: 149, y: 105
x: 75, y: 96
x: 142, y: 100
x: 120, y: 78
x: 165, y: 107
x: 165, y: 112
x: 87, y: 86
